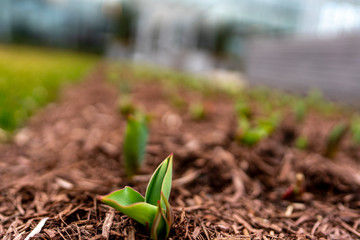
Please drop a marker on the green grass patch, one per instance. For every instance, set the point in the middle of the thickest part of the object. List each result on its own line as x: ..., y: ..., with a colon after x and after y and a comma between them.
x: 31, y: 77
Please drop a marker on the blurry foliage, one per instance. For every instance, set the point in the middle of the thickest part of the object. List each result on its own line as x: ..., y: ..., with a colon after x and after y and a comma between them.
x: 177, y: 101
x: 253, y: 136
x: 270, y: 123
x: 334, y: 139
x: 125, y: 105
x: 301, y: 143
x: 31, y: 77
x: 355, y: 130
x: 135, y: 140
x: 197, y: 111
x: 259, y: 110
x: 242, y: 109
x: 300, y: 110
x: 251, y: 132
x: 168, y: 78
x: 268, y: 99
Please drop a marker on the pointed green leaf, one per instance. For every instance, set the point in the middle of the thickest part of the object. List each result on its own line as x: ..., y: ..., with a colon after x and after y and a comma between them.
x: 131, y: 203
x: 160, y: 182
x: 136, y: 135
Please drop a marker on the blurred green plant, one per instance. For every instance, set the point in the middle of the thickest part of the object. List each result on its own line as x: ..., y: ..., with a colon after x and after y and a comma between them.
x: 135, y: 139
x: 315, y: 100
x: 300, y: 110
x: 31, y: 77
x: 172, y: 94
x: 253, y: 136
x: 355, y: 130
x: 177, y: 101
x: 152, y: 211
x: 125, y: 105
x: 197, y: 111
x: 301, y: 142
x: 270, y: 123
x: 250, y: 134
x: 4, y: 136
x: 334, y: 139
x: 242, y: 109
x: 264, y: 98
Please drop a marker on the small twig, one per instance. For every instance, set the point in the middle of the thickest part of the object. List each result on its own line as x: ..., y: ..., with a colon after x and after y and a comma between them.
x: 186, y: 179
x: 238, y: 185
x: 244, y: 223
x: 205, y: 231
x: 18, y: 237
x: 61, y: 234
x: 108, y: 223
x: 131, y: 234
x: 349, y: 228
x: 79, y: 232
x: 95, y: 209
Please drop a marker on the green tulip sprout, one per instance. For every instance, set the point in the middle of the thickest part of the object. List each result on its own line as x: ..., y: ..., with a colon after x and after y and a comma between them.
x: 125, y: 106
x: 250, y: 135
x: 242, y: 110
x: 300, y: 110
x: 135, y: 139
x: 355, y: 130
x: 334, y: 138
x: 197, y: 111
x: 301, y: 142
x: 152, y: 211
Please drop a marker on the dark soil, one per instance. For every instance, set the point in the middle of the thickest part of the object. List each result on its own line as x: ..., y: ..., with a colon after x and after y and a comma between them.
x: 71, y: 152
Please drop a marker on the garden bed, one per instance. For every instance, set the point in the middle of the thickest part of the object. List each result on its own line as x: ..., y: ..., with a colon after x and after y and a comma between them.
x: 71, y: 152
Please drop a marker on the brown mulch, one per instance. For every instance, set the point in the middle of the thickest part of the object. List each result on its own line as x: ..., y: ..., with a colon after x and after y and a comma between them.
x: 70, y: 152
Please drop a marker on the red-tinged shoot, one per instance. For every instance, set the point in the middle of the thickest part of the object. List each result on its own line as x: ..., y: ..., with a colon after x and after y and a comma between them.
x: 295, y: 189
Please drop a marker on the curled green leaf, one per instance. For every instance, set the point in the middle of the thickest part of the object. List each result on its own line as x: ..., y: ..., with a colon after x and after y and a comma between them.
x: 131, y: 203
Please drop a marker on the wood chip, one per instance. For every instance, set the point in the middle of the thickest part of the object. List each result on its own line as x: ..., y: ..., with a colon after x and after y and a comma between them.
x: 244, y: 223
x: 108, y: 223
x: 196, y: 232
x: 37, y: 229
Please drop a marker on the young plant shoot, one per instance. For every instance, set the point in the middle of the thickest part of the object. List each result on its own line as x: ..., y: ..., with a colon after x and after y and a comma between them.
x: 242, y: 110
x: 301, y: 142
x: 254, y: 135
x: 300, y: 111
x: 197, y: 111
x: 135, y: 139
x: 295, y: 189
x: 152, y: 211
x: 355, y: 130
x: 251, y: 135
x: 270, y: 123
x: 336, y: 135
x: 125, y: 106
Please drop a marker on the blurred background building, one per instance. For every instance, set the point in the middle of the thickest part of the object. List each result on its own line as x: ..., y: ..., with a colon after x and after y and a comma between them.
x: 273, y: 41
